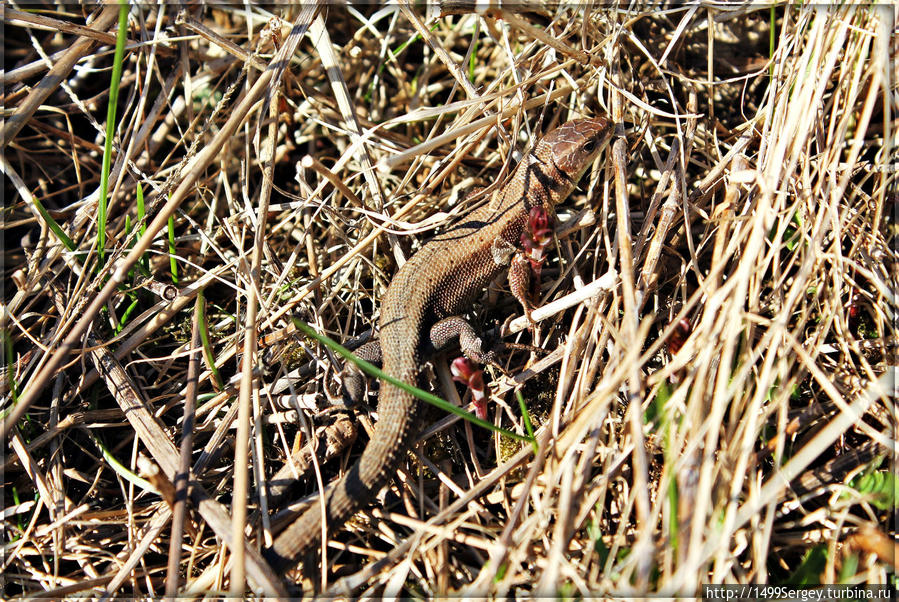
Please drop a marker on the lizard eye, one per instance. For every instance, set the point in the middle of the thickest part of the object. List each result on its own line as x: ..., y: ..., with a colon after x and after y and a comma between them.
x: 589, y: 146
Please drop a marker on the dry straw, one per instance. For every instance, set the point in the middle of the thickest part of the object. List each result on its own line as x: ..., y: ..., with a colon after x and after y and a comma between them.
x: 714, y: 385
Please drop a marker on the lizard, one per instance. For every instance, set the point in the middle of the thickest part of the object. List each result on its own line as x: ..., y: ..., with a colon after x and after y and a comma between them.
x: 424, y: 300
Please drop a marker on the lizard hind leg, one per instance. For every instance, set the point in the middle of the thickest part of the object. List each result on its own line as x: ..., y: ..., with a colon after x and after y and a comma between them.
x: 352, y: 379
x: 456, y: 327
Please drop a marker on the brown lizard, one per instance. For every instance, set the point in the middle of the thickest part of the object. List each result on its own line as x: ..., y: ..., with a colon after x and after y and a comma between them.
x: 426, y: 296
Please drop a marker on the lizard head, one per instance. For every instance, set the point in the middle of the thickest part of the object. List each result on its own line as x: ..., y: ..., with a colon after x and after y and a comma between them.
x: 571, y: 149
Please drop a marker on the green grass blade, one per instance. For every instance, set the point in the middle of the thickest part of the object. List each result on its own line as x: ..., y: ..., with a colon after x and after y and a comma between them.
x: 526, y: 417
x: 200, y: 308
x: 141, y: 218
x: 127, y: 313
x: 772, y: 25
x: 110, y: 129
x: 173, y: 263
x: 423, y: 395
x: 122, y: 470
x: 54, y: 227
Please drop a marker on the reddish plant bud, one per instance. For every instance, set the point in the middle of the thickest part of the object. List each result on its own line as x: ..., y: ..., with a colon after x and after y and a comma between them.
x: 680, y: 335
x: 465, y: 372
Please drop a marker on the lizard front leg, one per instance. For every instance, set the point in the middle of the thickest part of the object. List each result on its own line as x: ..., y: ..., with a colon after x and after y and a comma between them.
x: 525, y: 263
x: 505, y: 253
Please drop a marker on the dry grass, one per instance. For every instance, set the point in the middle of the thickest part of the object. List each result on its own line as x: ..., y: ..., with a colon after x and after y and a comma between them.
x: 719, y: 414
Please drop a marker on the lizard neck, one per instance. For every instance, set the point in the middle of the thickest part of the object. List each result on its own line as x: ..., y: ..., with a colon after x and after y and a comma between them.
x: 536, y: 182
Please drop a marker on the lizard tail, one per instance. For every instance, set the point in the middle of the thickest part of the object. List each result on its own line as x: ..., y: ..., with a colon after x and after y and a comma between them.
x: 379, y: 460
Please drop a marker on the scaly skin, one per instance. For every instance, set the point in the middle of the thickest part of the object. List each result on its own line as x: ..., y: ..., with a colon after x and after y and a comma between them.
x: 439, y: 281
